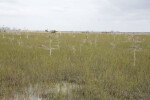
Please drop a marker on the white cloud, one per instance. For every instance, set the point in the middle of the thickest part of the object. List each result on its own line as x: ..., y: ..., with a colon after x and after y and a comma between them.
x: 98, y: 15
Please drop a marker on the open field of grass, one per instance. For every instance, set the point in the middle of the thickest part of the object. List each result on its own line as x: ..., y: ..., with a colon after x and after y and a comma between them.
x: 102, y: 66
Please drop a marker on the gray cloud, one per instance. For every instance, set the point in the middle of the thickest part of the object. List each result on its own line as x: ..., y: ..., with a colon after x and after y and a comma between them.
x: 131, y: 4
x: 98, y: 15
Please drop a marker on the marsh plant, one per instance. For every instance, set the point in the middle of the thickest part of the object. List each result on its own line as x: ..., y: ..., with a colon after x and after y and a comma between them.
x: 50, y: 47
x: 99, y: 72
x: 27, y: 34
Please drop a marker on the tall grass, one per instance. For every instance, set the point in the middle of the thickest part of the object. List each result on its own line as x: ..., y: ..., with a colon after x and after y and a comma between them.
x: 105, y: 72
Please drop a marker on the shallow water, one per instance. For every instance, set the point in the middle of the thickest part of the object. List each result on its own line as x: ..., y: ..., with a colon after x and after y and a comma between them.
x: 38, y: 92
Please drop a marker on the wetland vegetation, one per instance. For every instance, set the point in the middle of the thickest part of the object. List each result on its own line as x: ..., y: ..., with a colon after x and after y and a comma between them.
x: 75, y: 66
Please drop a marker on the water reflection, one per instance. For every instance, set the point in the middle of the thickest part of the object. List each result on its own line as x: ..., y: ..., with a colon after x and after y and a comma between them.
x: 38, y: 92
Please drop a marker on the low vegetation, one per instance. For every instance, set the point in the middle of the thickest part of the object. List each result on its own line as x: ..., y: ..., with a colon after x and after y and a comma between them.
x: 101, y: 64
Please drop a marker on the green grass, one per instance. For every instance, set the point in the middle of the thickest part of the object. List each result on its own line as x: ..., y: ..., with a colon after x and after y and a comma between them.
x: 104, y: 72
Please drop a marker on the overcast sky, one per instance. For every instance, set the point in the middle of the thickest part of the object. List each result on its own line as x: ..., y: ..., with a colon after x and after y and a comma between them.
x: 76, y: 15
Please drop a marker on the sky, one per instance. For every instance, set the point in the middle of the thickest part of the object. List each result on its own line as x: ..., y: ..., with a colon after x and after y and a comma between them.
x: 76, y: 15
